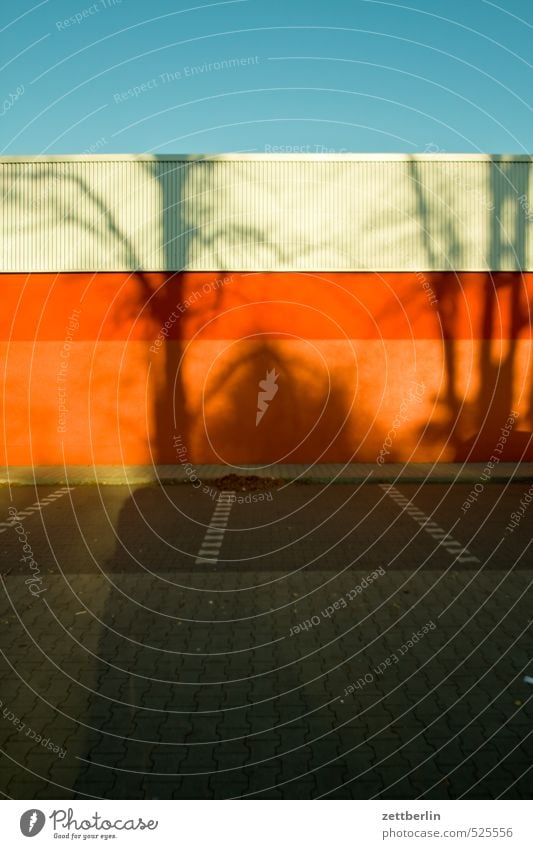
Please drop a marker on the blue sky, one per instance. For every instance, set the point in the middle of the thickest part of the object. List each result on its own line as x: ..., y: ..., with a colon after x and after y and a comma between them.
x: 121, y: 76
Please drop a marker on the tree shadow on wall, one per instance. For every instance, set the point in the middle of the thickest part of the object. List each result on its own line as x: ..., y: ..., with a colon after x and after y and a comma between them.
x: 148, y: 298
x: 194, y: 233
x: 490, y: 310
x: 222, y: 364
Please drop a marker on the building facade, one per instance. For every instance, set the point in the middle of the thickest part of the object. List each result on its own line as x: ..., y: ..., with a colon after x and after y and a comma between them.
x: 269, y: 308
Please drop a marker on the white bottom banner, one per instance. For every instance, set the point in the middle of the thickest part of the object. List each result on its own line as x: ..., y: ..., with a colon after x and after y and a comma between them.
x: 267, y: 824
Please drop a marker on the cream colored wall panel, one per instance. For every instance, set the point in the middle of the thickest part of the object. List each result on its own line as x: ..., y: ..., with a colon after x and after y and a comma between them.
x: 315, y: 213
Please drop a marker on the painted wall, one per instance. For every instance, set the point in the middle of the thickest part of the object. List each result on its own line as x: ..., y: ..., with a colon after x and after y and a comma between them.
x: 374, y: 367
x: 283, y: 281
x: 267, y: 213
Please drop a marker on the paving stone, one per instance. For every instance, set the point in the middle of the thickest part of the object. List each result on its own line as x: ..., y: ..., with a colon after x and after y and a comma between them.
x: 293, y: 715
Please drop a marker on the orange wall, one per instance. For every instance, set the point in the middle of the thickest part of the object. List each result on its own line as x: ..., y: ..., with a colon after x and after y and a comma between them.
x: 372, y: 366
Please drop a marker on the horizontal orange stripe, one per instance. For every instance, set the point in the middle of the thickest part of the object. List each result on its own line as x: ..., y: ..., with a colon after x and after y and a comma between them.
x: 147, y: 306
x: 119, y: 402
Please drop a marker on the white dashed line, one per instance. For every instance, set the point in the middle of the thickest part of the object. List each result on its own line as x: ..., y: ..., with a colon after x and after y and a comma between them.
x: 214, y: 535
x: 35, y: 508
x: 444, y: 538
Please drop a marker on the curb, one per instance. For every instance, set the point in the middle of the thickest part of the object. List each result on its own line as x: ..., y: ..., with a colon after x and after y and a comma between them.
x: 326, y: 473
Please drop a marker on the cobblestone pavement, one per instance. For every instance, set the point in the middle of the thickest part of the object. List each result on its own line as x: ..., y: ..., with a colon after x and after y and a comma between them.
x: 334, y: 648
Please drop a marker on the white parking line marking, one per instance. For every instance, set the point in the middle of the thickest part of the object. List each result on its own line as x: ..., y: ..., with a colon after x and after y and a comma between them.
x: 214, y: 534
x: 434, y: 530
x: 35, y: 508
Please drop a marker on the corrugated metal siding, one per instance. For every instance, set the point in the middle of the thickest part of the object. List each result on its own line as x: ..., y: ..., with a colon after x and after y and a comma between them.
x: 266, y: 213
